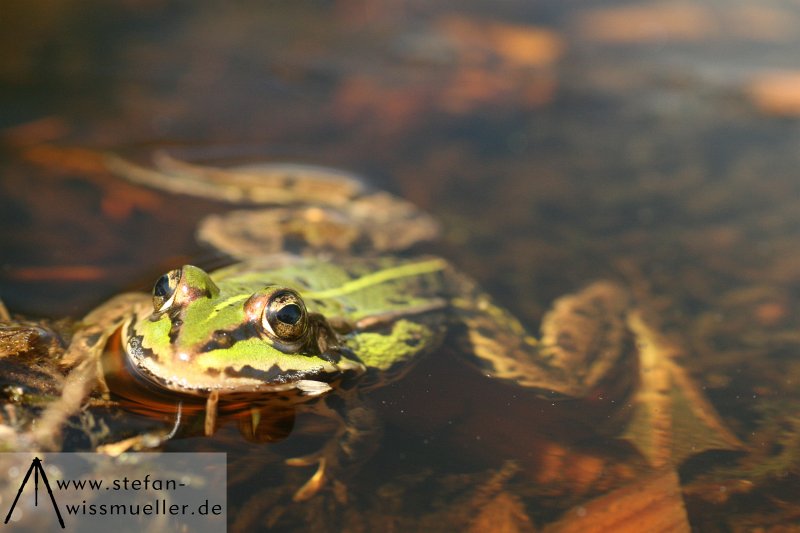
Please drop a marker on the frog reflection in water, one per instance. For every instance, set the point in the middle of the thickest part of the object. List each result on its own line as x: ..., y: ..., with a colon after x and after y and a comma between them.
x: 278, y: 328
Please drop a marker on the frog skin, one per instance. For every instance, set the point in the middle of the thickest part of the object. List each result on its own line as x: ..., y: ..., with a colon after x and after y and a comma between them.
x: 295, y: 327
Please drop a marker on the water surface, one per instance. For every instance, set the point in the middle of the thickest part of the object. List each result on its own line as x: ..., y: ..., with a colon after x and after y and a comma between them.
x: 651, y: 143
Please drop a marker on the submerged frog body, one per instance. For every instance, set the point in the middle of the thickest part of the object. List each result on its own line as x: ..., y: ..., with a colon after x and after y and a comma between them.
x: 278, y: 327
x: 260, y: 333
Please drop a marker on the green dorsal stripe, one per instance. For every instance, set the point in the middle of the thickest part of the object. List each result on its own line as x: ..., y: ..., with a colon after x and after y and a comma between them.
x: 225, y: 303
x: 402, y: 271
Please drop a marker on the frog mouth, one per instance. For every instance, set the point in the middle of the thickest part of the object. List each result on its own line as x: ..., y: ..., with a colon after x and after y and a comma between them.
x: 275, y: 375
x: 144, y: 367
x: 246, y: 380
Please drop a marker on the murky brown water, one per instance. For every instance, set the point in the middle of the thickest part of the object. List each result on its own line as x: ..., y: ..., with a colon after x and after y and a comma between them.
x: 653, y: 143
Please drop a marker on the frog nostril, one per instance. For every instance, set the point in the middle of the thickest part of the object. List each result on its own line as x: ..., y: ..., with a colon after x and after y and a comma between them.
x: 223, y: 339
x: 220, y: 340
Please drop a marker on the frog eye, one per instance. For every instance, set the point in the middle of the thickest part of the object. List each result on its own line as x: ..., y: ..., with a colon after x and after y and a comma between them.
x: 285, y: 316
x: 164, y: 290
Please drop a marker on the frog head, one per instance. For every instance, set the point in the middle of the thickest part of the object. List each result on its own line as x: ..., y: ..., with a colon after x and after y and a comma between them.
x: 202, y: 336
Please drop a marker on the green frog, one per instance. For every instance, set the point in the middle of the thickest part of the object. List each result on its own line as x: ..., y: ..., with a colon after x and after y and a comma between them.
x: 342, y: 312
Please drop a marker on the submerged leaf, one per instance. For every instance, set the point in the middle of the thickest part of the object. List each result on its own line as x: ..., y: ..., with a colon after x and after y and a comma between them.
x: 672, y: 419
x: 505, y: 513
x: 654, y: 503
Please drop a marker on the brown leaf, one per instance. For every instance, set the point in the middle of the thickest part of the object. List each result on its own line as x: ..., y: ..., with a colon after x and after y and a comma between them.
x: 57, y: 273
x: 660, y: 21
x: 79, y: 160
x: 672, y: 419
x: 36, y: 131
x: 776, y: 93
x: 503, y: 514
x: 654, y: 503
x: 481, y: 42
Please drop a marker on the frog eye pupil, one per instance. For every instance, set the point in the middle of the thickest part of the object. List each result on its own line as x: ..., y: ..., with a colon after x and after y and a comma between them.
x: 162, y: 289
x: 289, y: 314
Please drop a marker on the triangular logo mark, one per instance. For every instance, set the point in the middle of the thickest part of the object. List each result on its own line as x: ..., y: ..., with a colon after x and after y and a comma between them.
x: 36, y: 469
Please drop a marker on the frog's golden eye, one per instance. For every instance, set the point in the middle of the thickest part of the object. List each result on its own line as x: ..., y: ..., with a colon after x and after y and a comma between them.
x: 285, y: 316
x: 164, y: 290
